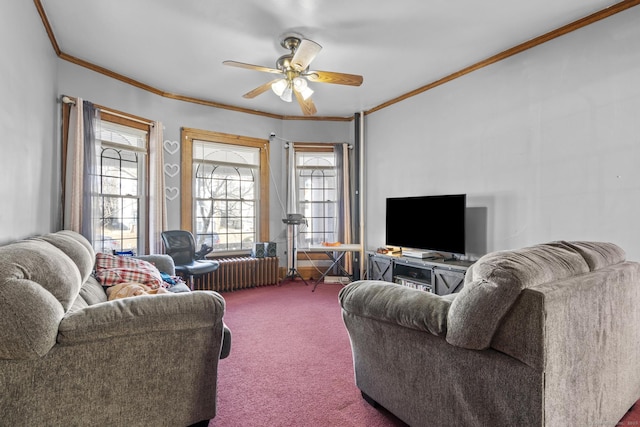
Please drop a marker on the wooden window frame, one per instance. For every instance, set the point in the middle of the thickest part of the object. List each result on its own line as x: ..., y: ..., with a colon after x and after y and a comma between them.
x: 187, y: 136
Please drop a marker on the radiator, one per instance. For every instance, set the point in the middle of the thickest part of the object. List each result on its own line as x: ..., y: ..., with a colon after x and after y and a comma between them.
x: 239, y: 273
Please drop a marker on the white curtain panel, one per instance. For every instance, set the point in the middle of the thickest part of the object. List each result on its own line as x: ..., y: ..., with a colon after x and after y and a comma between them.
x: 157, y: 201
x: 345, y: 217
x: 75, y: 165
x: 292, y: 177
x: 80, y: 179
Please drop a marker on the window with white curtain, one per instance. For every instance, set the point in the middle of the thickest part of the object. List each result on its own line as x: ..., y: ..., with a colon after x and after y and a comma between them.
x: 120, y: 203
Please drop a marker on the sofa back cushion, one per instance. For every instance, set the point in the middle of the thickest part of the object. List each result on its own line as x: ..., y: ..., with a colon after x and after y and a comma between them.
x: 76, y: 247
x: 422, y: 311
x: 495, y: 281
x: 38, y: 284
x: 91, y: 293
x: 598, y: 254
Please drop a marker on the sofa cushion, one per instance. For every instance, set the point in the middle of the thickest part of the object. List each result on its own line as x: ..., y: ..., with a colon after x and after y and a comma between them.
x: 397, y: 304
x: 599, y: 254
x: 494, y: 282
x: 38, y: 284
x: 113, y: 269
x: 91, y: 293
x: 76, y: 247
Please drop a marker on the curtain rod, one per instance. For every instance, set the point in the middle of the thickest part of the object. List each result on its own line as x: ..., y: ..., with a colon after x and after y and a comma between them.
x: 68, y: 100
x: 328, y: 144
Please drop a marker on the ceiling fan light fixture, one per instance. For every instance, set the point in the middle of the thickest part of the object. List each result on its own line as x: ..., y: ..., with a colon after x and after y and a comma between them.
x: 299, y: 83
x: 306, y: 92
x: 287, y: 94
x: 279, y: 86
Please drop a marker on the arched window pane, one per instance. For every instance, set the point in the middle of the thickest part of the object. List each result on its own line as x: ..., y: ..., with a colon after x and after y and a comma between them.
x: 118, y: 202
x: 227, y: 175
x: 317, y: 197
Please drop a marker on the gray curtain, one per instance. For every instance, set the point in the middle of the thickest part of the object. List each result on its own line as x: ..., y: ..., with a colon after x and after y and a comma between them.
x: 89, y: 171
x: 343, y: 205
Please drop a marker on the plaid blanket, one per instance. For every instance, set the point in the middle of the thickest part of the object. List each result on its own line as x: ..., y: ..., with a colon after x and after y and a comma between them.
x: 113, y: 269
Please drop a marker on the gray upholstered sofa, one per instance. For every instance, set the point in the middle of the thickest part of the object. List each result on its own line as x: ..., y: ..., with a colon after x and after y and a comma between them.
x: 69, y: 357
x: 542, y: 336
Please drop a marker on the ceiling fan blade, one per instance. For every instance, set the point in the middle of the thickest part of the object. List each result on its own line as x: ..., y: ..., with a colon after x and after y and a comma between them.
x: 307, y: 106
x: 306, y: 51
x: 252, y: 67
x: 335, y: 78
x: 259, y: 90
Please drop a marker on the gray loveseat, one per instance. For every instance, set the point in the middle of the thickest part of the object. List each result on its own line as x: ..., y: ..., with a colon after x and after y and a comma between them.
x: 542, y: 336
x: 69, y: 357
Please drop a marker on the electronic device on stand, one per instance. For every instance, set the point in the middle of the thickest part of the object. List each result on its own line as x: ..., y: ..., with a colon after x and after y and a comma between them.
x: 292, y: 220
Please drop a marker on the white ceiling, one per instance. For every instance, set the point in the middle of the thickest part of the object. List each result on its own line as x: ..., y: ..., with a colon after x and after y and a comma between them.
x: 178, y: 46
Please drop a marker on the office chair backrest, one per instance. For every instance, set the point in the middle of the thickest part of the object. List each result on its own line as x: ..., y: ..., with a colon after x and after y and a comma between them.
x: 179, y: 245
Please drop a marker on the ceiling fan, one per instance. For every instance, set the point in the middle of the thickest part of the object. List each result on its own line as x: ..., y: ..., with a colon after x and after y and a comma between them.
x: 294, y: 70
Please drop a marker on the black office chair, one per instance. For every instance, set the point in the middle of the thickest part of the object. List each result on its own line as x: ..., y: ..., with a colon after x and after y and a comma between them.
x: 181, y: 246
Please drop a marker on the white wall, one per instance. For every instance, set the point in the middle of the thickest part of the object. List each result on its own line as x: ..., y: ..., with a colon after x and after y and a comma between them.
x: 29, y: 173
x: 97, y: 88
x: 545, y: 144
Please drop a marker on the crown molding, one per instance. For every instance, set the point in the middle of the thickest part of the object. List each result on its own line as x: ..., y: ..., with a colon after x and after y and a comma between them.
x: 109, y: 73
x: 573, y: 26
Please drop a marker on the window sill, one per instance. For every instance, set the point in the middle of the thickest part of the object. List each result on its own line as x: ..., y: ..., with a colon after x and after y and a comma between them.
x: 228, y: 254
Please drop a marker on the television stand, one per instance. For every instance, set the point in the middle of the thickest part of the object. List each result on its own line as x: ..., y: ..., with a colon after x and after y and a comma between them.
x: 437, y: 275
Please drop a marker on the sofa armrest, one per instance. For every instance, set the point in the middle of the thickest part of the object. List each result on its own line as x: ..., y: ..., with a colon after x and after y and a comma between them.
x: 392, y: 303
x: 142, y: 315
x: 164, y: 263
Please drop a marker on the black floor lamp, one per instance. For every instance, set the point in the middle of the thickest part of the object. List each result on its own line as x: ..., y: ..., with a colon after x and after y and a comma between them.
x: 292, y: 221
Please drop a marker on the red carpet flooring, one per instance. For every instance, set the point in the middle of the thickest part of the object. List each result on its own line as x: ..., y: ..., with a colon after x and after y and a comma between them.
x: 291, y: 365
x: 290, y: 362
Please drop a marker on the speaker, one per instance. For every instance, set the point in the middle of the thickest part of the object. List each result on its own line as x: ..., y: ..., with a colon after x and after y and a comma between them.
x: 270, y: 249
x: 258, y: 250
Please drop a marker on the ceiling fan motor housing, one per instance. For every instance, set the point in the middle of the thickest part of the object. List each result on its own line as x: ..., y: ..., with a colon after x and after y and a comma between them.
x: 284, y: 62
x: 290, y: 42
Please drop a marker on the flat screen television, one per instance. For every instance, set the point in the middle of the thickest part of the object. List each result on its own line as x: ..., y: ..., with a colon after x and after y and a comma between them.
x: 429, y: 223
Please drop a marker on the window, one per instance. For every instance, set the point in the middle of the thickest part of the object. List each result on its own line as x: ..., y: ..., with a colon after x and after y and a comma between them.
x: 225, y: 190
x: 225, y: 181
x: 119, y: 204
x: 319, y: 187
x: 317, y: 196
